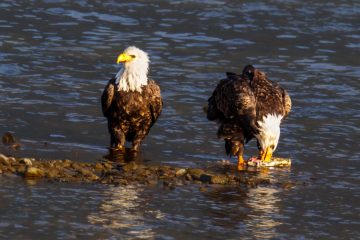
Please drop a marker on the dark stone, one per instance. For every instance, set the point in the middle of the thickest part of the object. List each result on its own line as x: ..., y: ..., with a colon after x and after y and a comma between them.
x: 205, y: 178
x: 196, y: 173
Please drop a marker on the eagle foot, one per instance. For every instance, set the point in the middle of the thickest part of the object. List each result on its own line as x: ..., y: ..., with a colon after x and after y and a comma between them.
x: 118, y: 148
x: 241, y: 163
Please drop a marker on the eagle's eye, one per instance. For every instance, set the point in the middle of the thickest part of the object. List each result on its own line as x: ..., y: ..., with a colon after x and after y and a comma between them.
x: 133, y: 56
x: 272, y: 146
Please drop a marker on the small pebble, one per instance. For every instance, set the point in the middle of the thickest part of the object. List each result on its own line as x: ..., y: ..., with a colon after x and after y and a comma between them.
x: 180, y: 172
x: 33, y: 172
x: 26, y: 161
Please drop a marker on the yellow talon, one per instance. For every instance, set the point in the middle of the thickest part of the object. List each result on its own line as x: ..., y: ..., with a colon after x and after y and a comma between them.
x: 118, y: 148
x: 241, y: 163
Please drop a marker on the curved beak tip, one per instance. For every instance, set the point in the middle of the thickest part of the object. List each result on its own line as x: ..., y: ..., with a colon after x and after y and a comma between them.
x: 123, y: 57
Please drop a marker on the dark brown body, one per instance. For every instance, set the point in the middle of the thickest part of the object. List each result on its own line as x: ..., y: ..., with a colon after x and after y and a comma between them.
x: 239, y: 101
x: 130, y: 114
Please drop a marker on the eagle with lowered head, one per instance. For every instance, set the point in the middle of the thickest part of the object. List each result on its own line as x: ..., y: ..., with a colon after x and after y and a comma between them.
x: 249, y: 106
x: 130, y: 101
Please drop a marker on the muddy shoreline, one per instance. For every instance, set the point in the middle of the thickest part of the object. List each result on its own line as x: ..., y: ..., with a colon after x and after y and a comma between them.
x: 123, y: 173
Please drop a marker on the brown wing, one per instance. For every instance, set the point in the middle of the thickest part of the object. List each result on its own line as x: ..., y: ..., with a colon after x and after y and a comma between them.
x: 232, y: 98
x: 233, y: 104
x: 155, y: 101
x: 287, y: 102
x: 212, y: 111
x: 107, y: 96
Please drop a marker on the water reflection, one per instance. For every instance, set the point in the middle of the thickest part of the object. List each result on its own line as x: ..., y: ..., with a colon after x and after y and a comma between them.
x: 123, y: 212
x: 264, y: 204
x: 123, y: 155
x: 251, y: 211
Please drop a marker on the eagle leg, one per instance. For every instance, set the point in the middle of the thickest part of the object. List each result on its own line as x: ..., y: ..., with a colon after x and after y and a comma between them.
x: 236, y: 148
x: 136, y: 145
x: 117, y: 138
x: 241, y: 161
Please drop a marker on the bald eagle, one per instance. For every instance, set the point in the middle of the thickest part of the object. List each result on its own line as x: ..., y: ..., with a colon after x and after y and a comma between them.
x: 249, y: 106
x: 130, y: 101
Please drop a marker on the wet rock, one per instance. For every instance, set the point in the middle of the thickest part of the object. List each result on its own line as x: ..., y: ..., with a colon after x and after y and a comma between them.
x: 107, y: 165
x: 26, y: 161
x: 205, y: 178
x: 65, y: 163
x: 11, y: 169
x: 92, y: 177
x: 130, y: 167
x: 99, y: 167
x: 219, y: 179
x: 180, y: 172
x: 165, y: 172
x: 154, y: 169
x: 33, y: 172
x: 188, y: 177
x: 21, y: 169
x: 196, y: 173
x: 122, y: 173
x: 52, y: 173
x: 4, y: 160
x: 88, y: 174
x: 143, y: 172
x: 75, y: 166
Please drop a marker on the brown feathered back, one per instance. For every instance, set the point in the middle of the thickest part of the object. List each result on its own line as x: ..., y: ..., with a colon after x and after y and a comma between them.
x: 270, y: 97
x: 239, y: 101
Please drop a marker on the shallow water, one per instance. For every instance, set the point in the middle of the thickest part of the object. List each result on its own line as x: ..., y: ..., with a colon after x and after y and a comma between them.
x: 56, y: 57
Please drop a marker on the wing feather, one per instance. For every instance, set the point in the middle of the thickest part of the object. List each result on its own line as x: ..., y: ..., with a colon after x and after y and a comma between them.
x: 155, y: 102
x: 233, y: 100
x: 233, y: 97
x: 107, y: 97
x: 287, y: 103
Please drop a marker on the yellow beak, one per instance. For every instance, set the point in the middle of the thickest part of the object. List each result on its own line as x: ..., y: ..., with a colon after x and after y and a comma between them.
x: 124, y: 58
x: 266, y: 155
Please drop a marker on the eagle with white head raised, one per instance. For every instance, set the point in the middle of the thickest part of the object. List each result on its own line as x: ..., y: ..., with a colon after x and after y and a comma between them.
x: 249, y: 106
x: 130, y: 101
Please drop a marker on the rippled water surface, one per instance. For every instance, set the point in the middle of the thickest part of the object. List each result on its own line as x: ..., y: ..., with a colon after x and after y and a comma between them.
x: 56, y: 57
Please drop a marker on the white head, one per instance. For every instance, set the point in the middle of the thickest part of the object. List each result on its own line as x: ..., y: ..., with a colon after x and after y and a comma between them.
x: 269, y: 131
x: 133, y: 73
